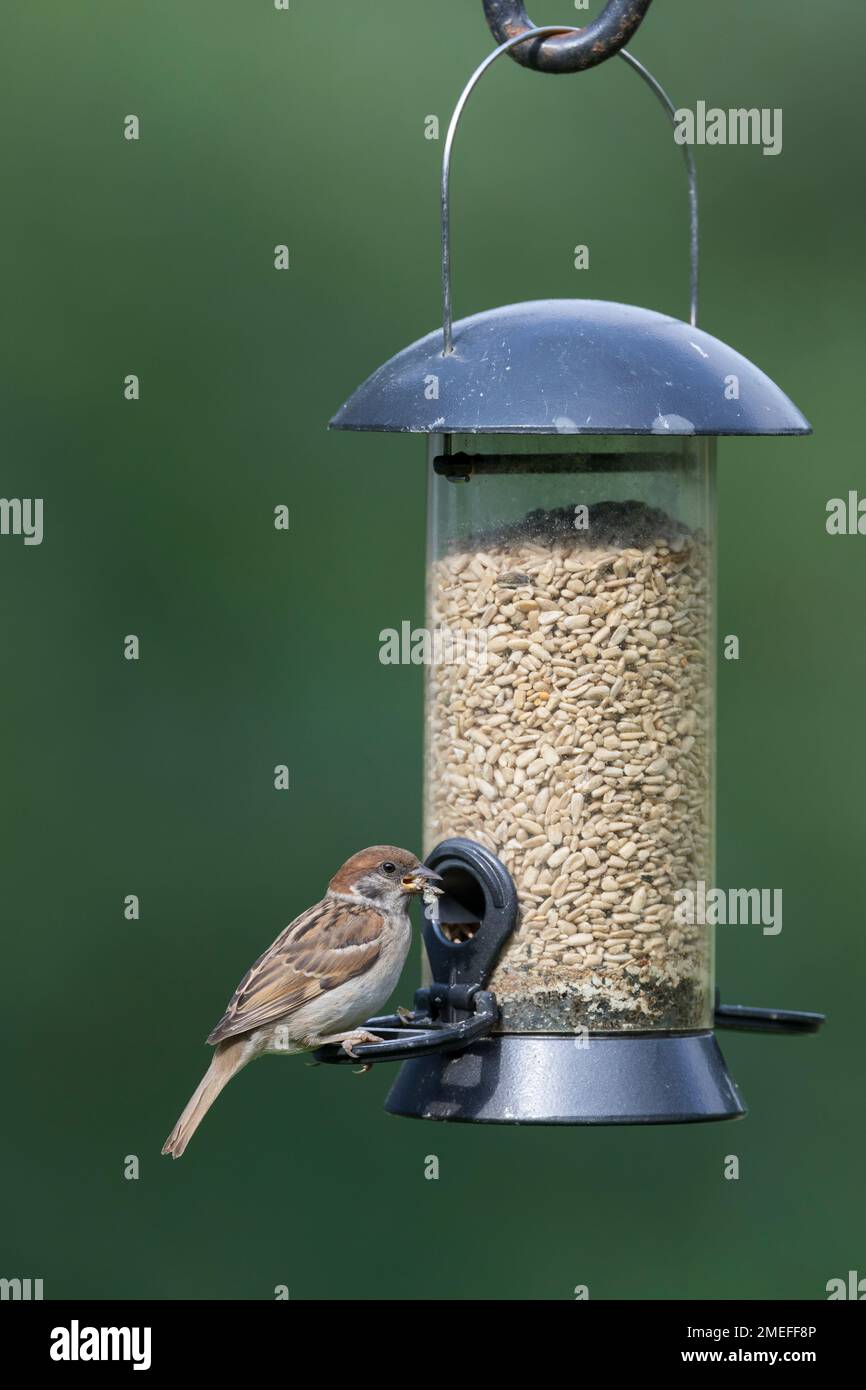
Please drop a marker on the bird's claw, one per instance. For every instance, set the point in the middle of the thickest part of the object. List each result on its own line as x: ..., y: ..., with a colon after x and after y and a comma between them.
x: 357, y: 1039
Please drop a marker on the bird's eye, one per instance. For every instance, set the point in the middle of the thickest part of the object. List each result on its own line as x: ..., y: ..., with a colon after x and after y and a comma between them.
x: 388, y: 868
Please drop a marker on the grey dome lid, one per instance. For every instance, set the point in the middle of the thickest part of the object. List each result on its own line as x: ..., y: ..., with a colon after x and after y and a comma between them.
x: 571, y: 366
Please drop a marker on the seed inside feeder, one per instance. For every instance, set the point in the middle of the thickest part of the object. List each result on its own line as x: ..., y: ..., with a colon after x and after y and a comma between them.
x: 580, y: 753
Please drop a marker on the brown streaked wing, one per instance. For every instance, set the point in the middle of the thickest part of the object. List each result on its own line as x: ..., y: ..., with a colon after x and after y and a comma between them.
x: 322, y: 949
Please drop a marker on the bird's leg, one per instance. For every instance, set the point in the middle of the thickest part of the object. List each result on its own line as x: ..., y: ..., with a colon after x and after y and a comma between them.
x: 348, y: 1041
x: 351, y: 1040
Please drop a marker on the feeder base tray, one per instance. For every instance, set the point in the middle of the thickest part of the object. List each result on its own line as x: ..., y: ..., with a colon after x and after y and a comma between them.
x: 550, y: 1080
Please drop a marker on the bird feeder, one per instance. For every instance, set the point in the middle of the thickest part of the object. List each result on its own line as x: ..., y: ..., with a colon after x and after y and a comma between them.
x: 570, y: 700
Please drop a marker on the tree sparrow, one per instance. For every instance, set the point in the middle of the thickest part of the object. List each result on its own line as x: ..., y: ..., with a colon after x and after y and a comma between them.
x: 330, y: 969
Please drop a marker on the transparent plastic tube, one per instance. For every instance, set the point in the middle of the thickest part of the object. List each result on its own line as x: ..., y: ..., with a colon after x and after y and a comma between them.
x: 570, y: 714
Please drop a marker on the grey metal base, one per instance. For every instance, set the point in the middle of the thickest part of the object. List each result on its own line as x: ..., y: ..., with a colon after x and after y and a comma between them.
x: 548, y: 1080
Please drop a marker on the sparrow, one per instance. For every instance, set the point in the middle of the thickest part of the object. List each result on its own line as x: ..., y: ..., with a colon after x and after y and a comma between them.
x: 328, y: 971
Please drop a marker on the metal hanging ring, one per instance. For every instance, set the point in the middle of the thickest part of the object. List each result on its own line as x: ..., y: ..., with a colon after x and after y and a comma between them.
x: 565, y: 49
x: 445, y: 187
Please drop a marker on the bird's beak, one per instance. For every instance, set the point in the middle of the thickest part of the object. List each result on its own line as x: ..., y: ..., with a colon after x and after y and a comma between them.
x: 421, y: 878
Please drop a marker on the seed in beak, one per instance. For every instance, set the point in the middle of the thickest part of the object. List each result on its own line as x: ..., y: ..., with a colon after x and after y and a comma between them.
x: 421, y: 879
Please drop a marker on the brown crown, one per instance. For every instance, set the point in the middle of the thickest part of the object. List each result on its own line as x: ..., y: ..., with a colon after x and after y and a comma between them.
x: 365, y: 861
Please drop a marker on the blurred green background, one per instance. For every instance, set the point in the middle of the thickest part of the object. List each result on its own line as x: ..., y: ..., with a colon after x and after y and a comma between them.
x: 260, y: 647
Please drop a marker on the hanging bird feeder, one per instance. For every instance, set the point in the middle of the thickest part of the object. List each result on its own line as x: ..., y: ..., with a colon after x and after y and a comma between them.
x: 570, y: 733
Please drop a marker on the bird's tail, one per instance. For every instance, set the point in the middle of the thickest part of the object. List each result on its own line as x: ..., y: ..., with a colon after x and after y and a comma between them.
x: 228, y: 1059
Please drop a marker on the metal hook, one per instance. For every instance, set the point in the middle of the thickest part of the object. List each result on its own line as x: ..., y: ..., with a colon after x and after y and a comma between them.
x: 445, y: 189
x: 567, y: 49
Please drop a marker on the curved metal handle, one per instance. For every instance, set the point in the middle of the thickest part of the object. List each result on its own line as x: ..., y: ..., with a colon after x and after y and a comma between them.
x: 572, y: 50
x: 445, y: 191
